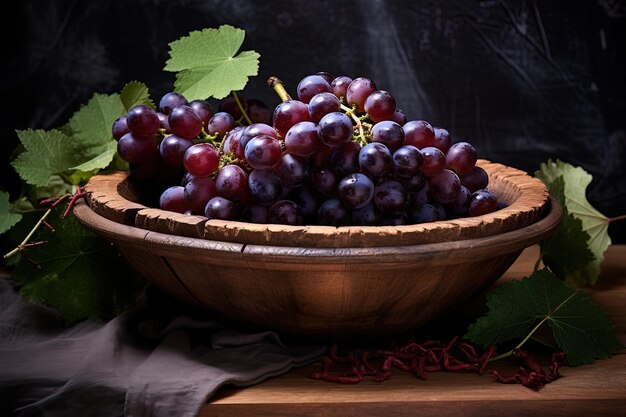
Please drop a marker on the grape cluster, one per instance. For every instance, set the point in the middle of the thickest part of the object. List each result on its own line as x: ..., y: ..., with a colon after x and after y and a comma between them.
x: 340, y: 154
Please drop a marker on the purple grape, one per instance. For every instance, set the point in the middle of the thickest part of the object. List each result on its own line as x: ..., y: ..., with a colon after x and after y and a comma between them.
x: 265, y: 187
x: 201, y: 159
x: 366, y: 216
x: 375, y: 160
x: 231, y: 182
x: 220, y: 208
x: 198, y: 192
x: 230, y: 144
x: 399, y: 117
x: 249, y: 132
x: 335, y: 128
x: 424, y: 213
x: 475, y: 180
x: 285, y: 212
x: 324, y: 180
x: 173, y: 148
x: 184, y: 122
x: 461, y: 158
x: 186, y: 178
x: 419, y: 133
x: 288, y: 113
x: 172, y: 199
x: 169, y: 101
x: 345, y: 158
x: 303, y: 139
x: 133, y: 148
x: 442, y: 139
x: 390, y: 197
x: 414, y: 183
x: 259, y: 112
x: 460, y: 205
x: 482, y: 202
x: 142, y: 120
x: 291, y: 169
x: 380, y: 105
x: 310, y: 86
x: 333, y: 213
x: 434, y: 161
x: 389, y: 134
x: 164, y: 122
x: 308, y: 202
x: 355, y: 190
x: 340, y: 85
x: 326, y: 75
x: 229, y: 105
x: 445, y: 186
x: 321, y: 104
x: 203, y: 109
x: 220, y: 123
x: 119, y: 128
x: 419, y: 197
x: 255, y: 214
x: 357, y: 92
x: 262, y: 152
x: 407, y: 161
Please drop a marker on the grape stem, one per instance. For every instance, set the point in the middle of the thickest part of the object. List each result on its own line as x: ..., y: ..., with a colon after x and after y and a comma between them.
x: 278, y: 86
x: 614, y: 219
x: 241, y: 109
x: 25, y: 243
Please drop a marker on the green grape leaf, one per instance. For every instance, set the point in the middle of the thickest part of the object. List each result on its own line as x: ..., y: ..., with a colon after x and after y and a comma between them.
x: 135, y: 93
x: 566, y: 251
x: 101, y: 160
x: 45, y: 153
x: 8, y: 219
x: 580, y: 327
x: 571, y: 193
x: 91, y: 131
x: 207, y: 65
x: 80, y: 274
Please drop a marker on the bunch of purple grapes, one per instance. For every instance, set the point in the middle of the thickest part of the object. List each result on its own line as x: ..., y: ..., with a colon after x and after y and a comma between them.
x: 341, y: 154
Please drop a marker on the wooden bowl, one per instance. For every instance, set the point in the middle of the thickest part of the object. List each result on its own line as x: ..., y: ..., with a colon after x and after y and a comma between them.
x: 318, y: 281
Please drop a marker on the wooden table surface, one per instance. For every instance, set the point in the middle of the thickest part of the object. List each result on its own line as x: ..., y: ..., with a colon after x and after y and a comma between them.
x: 598, y: 389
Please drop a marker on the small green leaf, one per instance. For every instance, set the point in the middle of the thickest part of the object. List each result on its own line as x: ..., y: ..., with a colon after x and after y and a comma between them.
x: 206, y: 63
x: 135, y: 93
x: 580, y: 327
x: 81, y: 275
x: 571, y: 193
x: 7, y: 218
x: 46, y: 153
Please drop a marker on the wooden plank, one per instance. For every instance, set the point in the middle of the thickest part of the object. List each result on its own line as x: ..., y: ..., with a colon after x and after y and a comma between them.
x: 598, y: 389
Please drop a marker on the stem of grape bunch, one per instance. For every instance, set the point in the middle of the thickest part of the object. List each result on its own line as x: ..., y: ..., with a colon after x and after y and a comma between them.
x: 241, y: 109
x: 278, y: 86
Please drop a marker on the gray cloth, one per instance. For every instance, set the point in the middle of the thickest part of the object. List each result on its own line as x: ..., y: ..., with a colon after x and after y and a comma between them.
x: 157, y: 359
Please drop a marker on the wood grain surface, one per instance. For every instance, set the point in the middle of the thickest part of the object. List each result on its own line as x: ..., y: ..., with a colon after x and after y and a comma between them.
x: 598, y: 389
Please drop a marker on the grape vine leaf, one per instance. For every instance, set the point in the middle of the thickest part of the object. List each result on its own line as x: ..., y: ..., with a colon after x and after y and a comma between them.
x: 81, y: 275
x: 580, y: 327
x: 45, y: 153
x: 566, y: 251
x: 571, y: 194
x: 101, y: 160
x: 91, y: 125
x: 206, y: 65
x: 135, y: 93
x: 7, y: 218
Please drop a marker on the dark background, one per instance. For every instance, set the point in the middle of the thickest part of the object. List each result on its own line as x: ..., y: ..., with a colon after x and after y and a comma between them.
x: 523, y: 81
